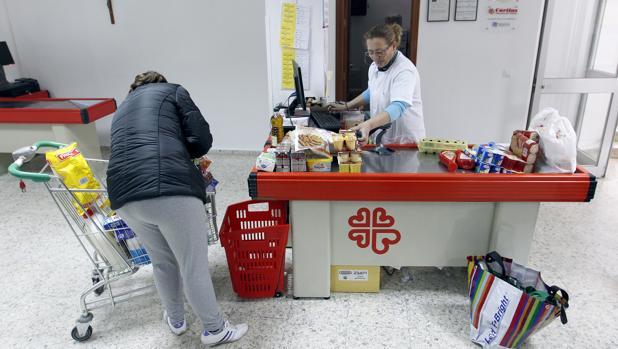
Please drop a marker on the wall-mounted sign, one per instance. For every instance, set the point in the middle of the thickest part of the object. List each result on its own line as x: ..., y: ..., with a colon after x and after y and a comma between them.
x: 438, y: 10
x: 502, y: 15
x: 465, y: 10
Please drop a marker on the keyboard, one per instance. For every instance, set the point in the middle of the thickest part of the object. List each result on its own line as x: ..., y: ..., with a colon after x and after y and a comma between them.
x: 326, y: 121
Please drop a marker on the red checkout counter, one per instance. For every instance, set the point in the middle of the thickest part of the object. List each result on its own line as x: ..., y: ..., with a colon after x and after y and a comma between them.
x: 407, y: 210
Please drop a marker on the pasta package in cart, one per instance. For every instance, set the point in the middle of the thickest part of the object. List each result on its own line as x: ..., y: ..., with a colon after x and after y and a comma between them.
x: 71, y: 166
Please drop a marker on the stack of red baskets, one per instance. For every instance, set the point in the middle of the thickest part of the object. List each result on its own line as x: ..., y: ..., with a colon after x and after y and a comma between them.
x: 254, y: 235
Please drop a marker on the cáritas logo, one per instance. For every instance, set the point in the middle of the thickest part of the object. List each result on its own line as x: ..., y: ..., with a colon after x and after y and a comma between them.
x: 375, y: 228
x: 69, y: 154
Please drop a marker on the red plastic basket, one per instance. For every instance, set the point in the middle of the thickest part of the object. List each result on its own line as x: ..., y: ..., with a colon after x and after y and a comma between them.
x: 254, y: 235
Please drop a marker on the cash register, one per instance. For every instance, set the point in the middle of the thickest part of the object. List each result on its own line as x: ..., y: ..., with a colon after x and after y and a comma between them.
x: 19, y: 87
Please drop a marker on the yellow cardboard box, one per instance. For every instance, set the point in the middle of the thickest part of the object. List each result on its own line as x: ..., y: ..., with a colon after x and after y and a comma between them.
x: 354, y: 278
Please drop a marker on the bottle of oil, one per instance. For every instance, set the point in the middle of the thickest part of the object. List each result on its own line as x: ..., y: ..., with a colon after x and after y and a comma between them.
x: 276, y: 130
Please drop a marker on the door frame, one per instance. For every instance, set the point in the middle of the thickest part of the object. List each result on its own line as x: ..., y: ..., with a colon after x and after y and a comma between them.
x: 343, y: 43
x: 542, y: 85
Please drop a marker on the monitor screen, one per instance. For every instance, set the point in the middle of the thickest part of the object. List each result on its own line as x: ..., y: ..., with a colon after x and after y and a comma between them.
x: 5, y: 54
x: 298, y: 86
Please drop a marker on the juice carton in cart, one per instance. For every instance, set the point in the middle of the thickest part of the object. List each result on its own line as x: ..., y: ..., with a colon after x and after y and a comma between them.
x: 125, y: 235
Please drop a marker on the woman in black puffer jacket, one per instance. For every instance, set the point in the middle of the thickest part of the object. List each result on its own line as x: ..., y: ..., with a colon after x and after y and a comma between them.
x: 156, y: 189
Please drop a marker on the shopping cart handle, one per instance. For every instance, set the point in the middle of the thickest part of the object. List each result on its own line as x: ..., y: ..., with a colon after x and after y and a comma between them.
x: 26, y: 154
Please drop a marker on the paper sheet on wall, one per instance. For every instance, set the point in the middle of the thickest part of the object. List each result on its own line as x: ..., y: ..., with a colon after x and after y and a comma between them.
x: 288, y: 25
x: 295, y: 26
x: 287, y: 69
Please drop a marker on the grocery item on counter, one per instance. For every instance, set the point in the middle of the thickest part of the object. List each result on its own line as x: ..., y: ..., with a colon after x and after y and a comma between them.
x: 350, y: 139
x: 343, y: 156
x: 338, y: 142
x: 344, y: 167
x: 319, y: 164
x: 465, y: 161
x: 355, y: 167
x: 429, y: 145
x: 515, y: 164
x: 283, y: 157
x: 356, y: 156
x: 525, y: 147
x: 276, y: 131
x: 448, y: 158
x: 266, y: 161
x: 298, y: 161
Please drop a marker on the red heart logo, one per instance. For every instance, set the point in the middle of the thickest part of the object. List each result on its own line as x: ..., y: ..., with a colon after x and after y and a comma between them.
x: 385, y: 241
x: 381, y: 219
x: 361, y: 236
x: 361, y: 219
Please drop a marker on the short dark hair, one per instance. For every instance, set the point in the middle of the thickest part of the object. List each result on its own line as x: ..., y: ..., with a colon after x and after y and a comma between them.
x: 148, y: 77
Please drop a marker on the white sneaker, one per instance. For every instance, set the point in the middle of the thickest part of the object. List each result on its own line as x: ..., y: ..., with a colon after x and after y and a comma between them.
x: 177, y: 328
x: 230, y: 333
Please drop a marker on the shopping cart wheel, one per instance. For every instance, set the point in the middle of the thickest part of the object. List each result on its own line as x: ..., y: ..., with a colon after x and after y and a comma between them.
x: 75, y: 334
x: 278, y: 294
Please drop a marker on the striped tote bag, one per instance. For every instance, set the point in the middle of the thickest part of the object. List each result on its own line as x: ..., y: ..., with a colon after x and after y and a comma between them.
x: 509, y: 302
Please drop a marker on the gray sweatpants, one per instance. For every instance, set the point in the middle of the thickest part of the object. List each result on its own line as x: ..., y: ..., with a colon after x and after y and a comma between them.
x: 173, y: 229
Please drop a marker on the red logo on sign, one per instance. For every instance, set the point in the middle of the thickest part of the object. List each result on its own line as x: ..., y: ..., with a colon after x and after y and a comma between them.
x: 373, y: 228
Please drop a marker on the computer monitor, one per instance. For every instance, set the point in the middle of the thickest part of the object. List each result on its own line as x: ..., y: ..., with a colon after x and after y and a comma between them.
x: 300, y: 92
x: 5, y: 59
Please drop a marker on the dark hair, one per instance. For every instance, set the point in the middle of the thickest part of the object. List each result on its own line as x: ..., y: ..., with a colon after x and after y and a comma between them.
x: 391, y: 33
x: 148, y: 77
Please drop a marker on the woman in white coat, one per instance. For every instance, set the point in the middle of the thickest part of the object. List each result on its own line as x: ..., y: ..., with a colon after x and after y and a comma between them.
x: 394, y: 93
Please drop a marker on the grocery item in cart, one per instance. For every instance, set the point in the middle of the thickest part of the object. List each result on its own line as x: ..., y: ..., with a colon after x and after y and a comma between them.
x: 103, y: 242
x: 125, y: 235
x: 71, y: 166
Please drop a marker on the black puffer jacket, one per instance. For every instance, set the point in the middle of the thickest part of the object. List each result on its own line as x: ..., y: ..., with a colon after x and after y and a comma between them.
x: 156, y: 132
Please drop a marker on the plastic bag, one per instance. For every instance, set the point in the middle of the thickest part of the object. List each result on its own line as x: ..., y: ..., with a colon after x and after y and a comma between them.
x: 311, y: 138
x: 558, y: 142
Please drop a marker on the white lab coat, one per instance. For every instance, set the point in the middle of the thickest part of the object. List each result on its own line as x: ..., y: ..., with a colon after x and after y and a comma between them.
x: 400, y: 82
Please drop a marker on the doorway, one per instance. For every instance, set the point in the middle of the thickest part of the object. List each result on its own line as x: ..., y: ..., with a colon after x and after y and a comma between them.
x: 577, y: 74
x: 354, y: 18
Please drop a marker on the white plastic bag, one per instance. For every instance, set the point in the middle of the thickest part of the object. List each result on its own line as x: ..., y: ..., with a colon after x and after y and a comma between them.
x: 558, y: 142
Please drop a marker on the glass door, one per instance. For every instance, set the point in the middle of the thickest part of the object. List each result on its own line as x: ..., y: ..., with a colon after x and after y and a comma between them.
x: 577, y: 74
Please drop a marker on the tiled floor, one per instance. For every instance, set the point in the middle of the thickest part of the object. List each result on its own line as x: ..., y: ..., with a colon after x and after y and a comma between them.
x: 43, y: 269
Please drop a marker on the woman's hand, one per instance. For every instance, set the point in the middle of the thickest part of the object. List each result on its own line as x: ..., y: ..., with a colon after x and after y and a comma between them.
x: 364, y: 128
x: 337, y: 107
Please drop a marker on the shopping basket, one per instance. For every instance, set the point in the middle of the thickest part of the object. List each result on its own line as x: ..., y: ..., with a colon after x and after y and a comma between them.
x: 254, y: 235
x: 110, y: 245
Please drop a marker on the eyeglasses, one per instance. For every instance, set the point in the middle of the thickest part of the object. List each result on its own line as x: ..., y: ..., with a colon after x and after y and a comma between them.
x: 376, y: 53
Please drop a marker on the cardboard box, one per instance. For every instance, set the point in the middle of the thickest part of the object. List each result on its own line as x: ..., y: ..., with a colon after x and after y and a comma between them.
x: 354, y: 278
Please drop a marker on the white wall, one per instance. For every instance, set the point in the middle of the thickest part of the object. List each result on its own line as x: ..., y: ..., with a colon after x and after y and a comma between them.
x: 476, y: 84
x: 216, y: 49
x: 316, y: 47
x: 6, y: 34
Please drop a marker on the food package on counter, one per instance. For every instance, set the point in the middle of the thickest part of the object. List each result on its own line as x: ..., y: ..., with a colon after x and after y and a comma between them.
x: 514, y: 163
x: 318, y: 160
x: 465, y: 161
x: 532, y: 134
x: 266, y: 161
x: 298, y: 161
x: 355, y: 167
x: 338, y: 142
x: 71, y: 166
x: 429, y: 145
x: 490, y: 154
x: 350, y: 139
x: 311, y: 138
x: 525, y: 147
x: 449, y: 159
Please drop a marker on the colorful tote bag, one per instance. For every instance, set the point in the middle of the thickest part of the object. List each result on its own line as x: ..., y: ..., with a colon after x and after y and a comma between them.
x: 509, y: 302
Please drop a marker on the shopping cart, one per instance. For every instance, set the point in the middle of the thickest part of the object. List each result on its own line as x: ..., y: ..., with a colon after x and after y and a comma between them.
x: 111, y: 247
